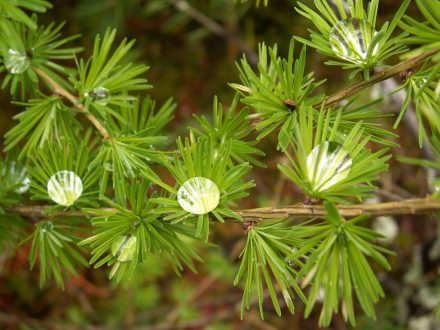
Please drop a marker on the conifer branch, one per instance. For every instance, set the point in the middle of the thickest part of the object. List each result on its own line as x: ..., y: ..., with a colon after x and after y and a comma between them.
x: 57, y: 89
x: 402, y: 67
x: 299, y: 211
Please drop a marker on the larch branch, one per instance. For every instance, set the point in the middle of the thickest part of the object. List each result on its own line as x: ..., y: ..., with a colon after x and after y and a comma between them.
x: 357, y: 87
x: 299, y: 211
x: 56, y: 88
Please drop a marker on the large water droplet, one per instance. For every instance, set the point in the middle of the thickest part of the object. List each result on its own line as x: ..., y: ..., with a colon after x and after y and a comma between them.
x: 16, y: 62
x: 327, y: 164
x: 350, y: 40
x: 198, y: 195
x: 64, y: 187
x: 100, y: 95
x: 123, y: 248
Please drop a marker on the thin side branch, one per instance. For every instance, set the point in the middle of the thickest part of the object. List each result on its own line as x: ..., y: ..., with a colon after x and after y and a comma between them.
x: 56, y: 88
x: 357, y: 87
x: 215, y: 28
x: 299, y: 211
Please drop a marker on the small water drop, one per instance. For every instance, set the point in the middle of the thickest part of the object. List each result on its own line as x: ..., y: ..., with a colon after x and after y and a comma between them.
x: 24, y: 186
x: 386, y: 226
x: 16, y: 62
x: 64, y: 187
x: 327, y: 164
x: 198, y: 195
x: 14, y: 176
x: 108, y: 166
x: 100, y: 95
x: 46, y: 226
x: 350, y: 40
x: 124, y: 247
x: 420, y: 82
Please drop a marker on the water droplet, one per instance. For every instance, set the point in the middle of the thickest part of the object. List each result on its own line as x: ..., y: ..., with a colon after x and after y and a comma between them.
x: 24, y: 186
x: 350, y: 40
x: 108, y: 166
x: 46, y: 226
x: 420, y: 82
x: 100, y: 95
x: 14, y: 177
x: 16, y: 62
x: 198, y: 195
x: 327, y: 164
x: 123, y: 248
x: 386, y: 226
x: 64, y: 187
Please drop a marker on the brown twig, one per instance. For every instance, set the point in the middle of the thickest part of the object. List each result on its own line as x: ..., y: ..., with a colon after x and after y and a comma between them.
x: 378, y: 77
x: 299, y: 211
x: 56, y: 88
x: 215, y: 27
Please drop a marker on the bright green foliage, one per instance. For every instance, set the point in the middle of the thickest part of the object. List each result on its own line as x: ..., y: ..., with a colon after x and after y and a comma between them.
x: 202, y: 158
x: 45, y: 119
x: 55, y: 250
x: 380, y: 45
x: 280, y: 88
x: 14, y: 182
x: 424, y: 33
x: 141, y: 222
x: 334, y: 254
x: 422, y: 90
x: 231, y: 128
x: 124, y: 156
x: 137, y: 215
x: 263, y: 264
x: 41, y: 47
x: 142, y: 115
x: 14, y: 9
x: 369, y: 115
x: 108, y: 71
x: 58, y: 157
x: 323, y: 173
x: 133, y: 146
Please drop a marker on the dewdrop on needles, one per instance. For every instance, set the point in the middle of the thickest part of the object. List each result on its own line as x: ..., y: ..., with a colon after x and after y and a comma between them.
x: 327, y: 164
x: 123, y: 248
x: 350, y: 40
x: 64, y: 187
x: 100, y: 95
x: 16, y: 62
x: 198, y: 195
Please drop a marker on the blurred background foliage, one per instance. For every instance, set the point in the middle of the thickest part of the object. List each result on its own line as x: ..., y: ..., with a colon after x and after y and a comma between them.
x: 192, y: 48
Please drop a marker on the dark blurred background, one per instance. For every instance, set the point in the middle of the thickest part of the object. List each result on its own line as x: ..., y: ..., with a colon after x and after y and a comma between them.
x: 192, y: 64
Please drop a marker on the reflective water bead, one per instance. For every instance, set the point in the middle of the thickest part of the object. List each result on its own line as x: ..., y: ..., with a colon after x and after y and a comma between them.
x: 327, y: 164
x: 46, y: 226
x: 123, y: 248
x: 16, y: 62
x: 387, y: 227
x: 108, y: 166
x: 14, y: 176
x: 100, y: 95
x: 64, y: 187
x: 350, y: 39
x: 198, y: 195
